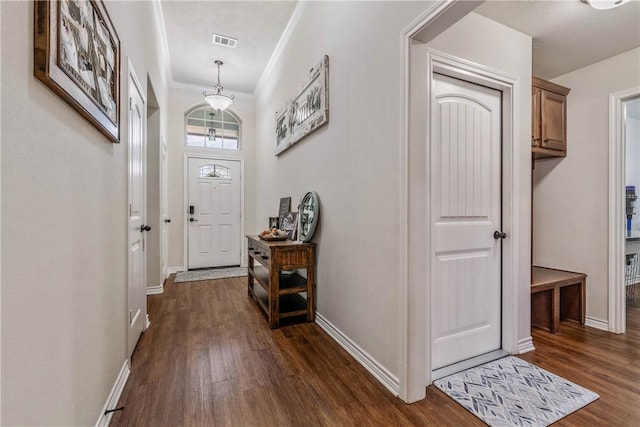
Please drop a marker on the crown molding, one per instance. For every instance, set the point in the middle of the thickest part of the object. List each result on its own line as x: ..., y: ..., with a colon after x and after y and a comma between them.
x: 284, y: 39
x: 190, y: 87
x: 158, y: 16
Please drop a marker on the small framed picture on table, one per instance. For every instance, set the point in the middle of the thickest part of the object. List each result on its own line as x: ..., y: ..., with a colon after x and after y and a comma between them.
x: 290, y: 224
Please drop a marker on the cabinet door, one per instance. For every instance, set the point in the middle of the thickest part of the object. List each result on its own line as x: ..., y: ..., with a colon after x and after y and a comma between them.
x: 553, y: 120
x: 535, y: 116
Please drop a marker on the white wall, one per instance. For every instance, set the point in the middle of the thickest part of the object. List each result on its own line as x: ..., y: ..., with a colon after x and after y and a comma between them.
x: 351, y: 163
x: 632, y: 157
x: 181, y: 101
x: 571, y: 194
x: 64, y: 207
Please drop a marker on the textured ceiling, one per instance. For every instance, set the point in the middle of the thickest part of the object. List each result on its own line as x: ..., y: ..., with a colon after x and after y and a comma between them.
x: 568, y: 35
x: 258, y: 26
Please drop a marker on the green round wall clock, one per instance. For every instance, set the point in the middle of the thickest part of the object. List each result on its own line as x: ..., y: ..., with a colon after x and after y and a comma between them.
x: 309, y: 210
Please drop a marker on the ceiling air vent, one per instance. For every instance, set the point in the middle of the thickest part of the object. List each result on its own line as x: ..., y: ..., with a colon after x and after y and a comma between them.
x: 224, y: 40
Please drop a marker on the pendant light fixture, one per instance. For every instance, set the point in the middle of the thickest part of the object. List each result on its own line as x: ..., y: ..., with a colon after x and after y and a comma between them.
x: 217, y: 100
x: 211, y: 132
x: 604, y: 4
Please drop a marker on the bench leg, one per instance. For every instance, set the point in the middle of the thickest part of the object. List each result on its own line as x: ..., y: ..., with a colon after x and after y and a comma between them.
x: 555, y: 312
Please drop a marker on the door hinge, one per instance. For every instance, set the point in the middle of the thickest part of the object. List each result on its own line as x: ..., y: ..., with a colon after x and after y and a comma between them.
x: 129, y: 210
x: 131, y: 103
x: 130, y: 315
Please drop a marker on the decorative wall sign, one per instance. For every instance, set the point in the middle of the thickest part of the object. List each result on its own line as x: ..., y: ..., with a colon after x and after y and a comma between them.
x: 76, y: 53
x: 307, y: 111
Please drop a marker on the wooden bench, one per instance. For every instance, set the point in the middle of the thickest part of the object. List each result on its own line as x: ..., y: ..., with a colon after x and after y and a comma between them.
x: 555, y: 295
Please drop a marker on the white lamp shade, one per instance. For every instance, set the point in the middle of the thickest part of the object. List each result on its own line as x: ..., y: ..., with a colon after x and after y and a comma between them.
x: 606, y: 4
x: 218, y: 101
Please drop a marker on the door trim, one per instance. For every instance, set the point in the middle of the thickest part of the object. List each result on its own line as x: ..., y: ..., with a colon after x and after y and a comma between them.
x: 185, y: 216
x: 442, y: 63
x: 415, y: 339
x: 617, y: 306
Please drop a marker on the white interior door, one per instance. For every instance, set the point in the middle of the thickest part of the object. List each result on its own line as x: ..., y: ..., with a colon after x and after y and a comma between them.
x: 213, y: 210
x: 137, y: 257
x: 164, y: 208
x: 465, y: 181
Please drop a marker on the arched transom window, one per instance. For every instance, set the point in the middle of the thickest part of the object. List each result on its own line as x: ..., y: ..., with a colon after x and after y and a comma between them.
x: 209, y: 128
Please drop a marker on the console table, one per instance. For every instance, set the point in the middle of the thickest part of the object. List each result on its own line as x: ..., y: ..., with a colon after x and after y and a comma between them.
x: 555, y: 295
x: 276, y: 292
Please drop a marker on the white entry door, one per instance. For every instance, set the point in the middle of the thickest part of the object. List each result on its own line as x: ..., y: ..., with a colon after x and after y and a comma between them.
x: 465, y: 188
x: 213, y: 213
x: 137, y: 299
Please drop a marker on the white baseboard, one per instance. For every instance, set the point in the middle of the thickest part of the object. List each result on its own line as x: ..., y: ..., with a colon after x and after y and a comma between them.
x: 147, y: 322
x: 370, y: 364
x: 525, y: 345
x: 155, y: 290
x: 172, y: 270
x: 597, y: 323
x: 114, y: 396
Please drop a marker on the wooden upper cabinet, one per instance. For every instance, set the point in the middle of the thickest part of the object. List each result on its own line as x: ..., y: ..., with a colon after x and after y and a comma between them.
x: 549, y: 119
x: 535, y: 117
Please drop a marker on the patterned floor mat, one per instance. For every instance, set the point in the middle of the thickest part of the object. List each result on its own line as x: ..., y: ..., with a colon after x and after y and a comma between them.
x: 209, y: 274
x: 513, y: 392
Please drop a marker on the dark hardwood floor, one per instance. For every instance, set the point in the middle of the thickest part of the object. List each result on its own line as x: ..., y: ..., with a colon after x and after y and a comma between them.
x: 209, y: 359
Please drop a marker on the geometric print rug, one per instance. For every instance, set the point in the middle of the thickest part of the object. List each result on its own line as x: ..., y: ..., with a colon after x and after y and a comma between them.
x: 209, y: 274
x: 513, y: 392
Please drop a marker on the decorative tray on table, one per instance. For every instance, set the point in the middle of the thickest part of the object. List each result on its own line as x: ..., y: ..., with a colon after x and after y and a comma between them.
x: 273, y: 238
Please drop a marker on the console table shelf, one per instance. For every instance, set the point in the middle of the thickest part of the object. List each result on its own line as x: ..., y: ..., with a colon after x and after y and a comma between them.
x: 288, y: 283
x: 279, y: 294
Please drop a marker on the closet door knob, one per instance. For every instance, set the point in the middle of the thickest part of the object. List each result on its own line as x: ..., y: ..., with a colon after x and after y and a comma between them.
x: 499, y: 235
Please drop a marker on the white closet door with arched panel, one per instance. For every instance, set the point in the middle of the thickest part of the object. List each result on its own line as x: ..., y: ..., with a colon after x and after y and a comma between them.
x: 466, y: 210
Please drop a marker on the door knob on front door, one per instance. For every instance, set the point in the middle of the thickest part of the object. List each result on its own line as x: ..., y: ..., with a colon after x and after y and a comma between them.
x: 192, y: 219
x: 499, y: 235
x: 166, y: 221
x: 145, y: 227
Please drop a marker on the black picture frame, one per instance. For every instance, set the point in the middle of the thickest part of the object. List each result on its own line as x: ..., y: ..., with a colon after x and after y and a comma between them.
x: 274, y: 222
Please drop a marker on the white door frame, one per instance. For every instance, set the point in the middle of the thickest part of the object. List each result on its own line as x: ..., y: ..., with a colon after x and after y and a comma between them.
x: 185, y: 218
x: 414, y: 342
x: 450, y: 66
x: 617, y: 305
x: 454, y: 67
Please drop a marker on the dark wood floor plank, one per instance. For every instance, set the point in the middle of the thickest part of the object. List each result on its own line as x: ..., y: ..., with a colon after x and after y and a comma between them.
x: 209, y: 359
